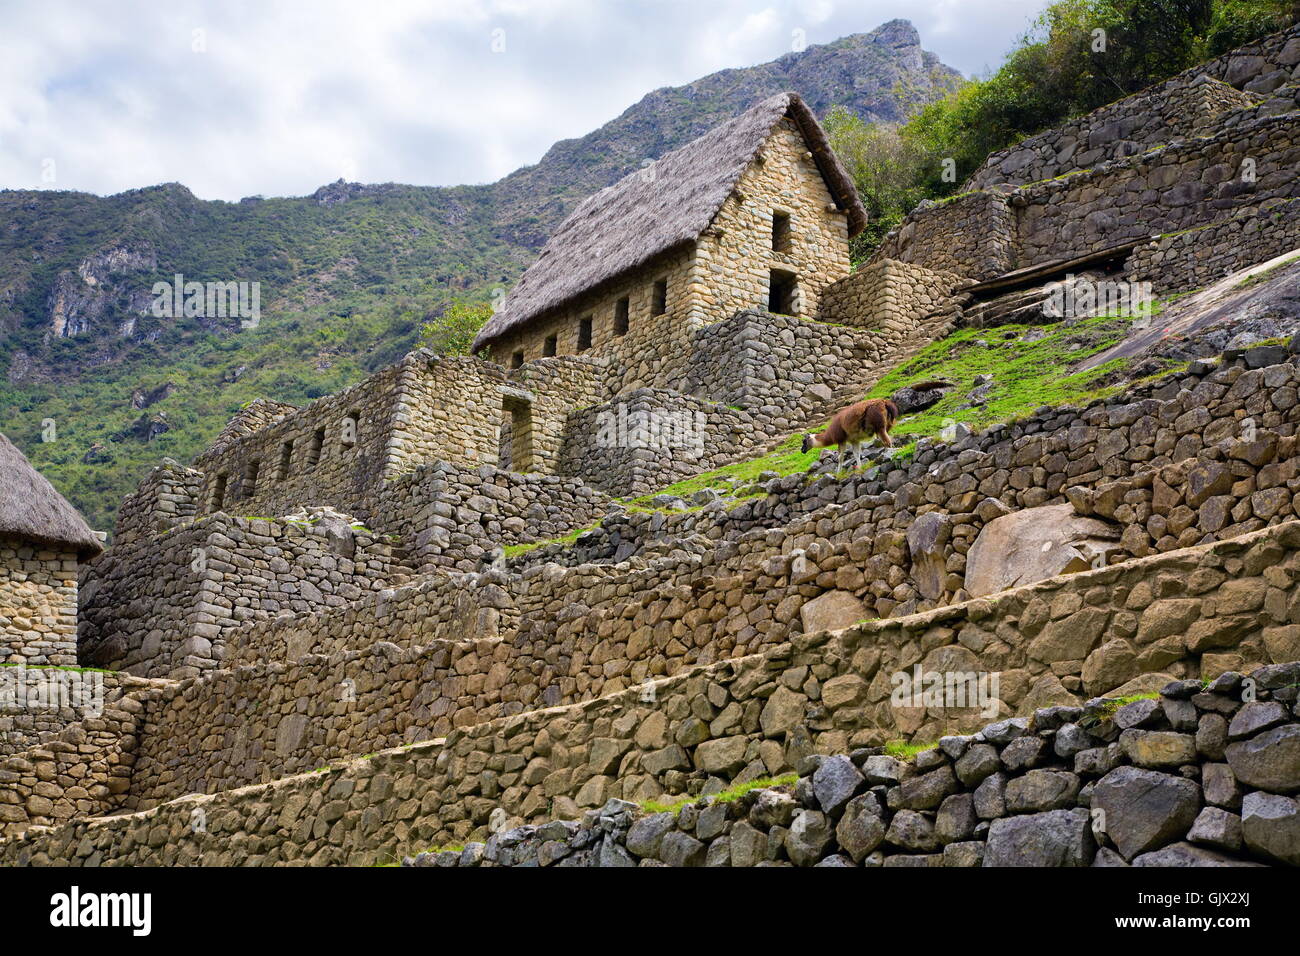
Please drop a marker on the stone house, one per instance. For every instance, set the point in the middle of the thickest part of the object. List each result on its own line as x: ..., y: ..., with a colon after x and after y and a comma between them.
x: 42, y: 541
x: 754, y: 214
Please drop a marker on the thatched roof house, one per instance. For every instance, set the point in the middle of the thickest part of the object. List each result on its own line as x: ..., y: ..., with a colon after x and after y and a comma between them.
x: 30, y: 508
x: 666, y: 205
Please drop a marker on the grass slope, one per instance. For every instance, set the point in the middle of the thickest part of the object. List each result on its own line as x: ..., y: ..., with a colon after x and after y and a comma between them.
x: 1027, y: 375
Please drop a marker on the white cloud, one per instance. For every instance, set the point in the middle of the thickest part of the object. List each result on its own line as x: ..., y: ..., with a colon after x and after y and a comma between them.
x: 281, y: 97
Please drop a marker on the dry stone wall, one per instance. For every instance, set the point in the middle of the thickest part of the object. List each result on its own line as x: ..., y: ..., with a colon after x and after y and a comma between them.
x: 972, y: 234
x: 338, y: 450
x: 1198, y: 456
x: 443, y: 607
x: 1185, y: 106
x: 1192, y: 614
x: 1187, y: 260
x: 1194, y: 777
x: 80, y: 770
x: 1193, y: 747
x: 168, y: 496
x: 38, y: 603
x: 888, y: 296
x: 166, y: 607
x: 1176, y: 187
x: 1168, y: 112
x: 649, y: 438
x: 449, y: 518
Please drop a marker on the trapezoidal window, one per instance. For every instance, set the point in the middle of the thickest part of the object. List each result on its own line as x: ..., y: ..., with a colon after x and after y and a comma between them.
x: 517, y: 359
x: 781, y: 287
x: 250, y: 477
x: 621, y: 311
x: 659, y: 297
x: 286, y: 456
x: 317, y: 445
x: 520, y: 441
x: 780, y: 231
x: 552, y: 345
x: 219, y: 492
x: 584, y: 334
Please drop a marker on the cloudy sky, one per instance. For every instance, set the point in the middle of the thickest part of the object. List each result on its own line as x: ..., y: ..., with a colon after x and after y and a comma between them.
x: 257, y: 96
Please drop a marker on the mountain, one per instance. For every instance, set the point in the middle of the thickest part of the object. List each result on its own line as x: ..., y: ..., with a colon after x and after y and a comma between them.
x: 96, y: 388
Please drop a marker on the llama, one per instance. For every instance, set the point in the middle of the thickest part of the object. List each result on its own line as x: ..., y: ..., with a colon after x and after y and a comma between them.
x: 850, y: 427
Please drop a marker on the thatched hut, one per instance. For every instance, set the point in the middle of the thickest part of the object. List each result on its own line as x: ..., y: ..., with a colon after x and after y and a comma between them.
x: 43, y: 539
x: 756, y: 213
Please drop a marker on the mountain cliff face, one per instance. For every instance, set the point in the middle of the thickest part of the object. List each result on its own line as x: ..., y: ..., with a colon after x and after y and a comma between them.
x: 347, y: 275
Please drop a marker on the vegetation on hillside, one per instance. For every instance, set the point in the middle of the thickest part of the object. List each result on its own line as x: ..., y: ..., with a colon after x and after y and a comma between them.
x: 452, y: 330
x: 1077, y: 56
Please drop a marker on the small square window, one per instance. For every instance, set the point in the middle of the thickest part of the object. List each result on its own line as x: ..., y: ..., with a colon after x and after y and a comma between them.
x: 517, y: 359
x: 584, y: 334
x: 552, y: 344
x: 659, y: 297
x: 621, y: 311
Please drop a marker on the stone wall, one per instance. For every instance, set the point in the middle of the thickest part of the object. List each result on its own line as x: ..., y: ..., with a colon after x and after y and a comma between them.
x: 38, y: 603
x: 1193, y: 457
x: 1172, y: 111
x: 1173, y: 188
x: 74, y: 761
x: 698, y: 733
x: 448, y: 517
x: 1198, y: 257
x: 39, y: 702
x: 337, y: 451
x: 1194, y: 777
x: 1187, y: 105
x: 535, y: 422
x: 168, y: 496
x: 166, y: 607
x: 779, y: 368
x: 1239, y: 165
x: 972, y: 234
x: 593, y: 632
x: 888, y: 296
x: 443, y: 607
x: 646, y: 439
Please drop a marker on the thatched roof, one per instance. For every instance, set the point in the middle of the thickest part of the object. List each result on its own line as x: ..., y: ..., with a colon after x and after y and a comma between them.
x: 651, y: 211
x: 31, y: 509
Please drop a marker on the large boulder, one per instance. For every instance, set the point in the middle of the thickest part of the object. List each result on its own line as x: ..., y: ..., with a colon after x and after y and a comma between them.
x: 1143, y: 810
x: 1054, y: 838
x: 1035, y: 544
x: 832, y: 611
x: 926, y: 538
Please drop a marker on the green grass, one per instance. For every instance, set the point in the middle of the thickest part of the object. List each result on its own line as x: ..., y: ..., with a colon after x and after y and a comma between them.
x: 1108, y: 709
x: 730, y: 795
x: 902, y: 750
x: 511, y: 550
x: 1259, y: 277
x: 1026, y: 376
x: 59, y: 667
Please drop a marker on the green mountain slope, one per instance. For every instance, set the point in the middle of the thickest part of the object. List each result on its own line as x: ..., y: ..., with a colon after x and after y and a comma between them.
x: 347, y: 275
